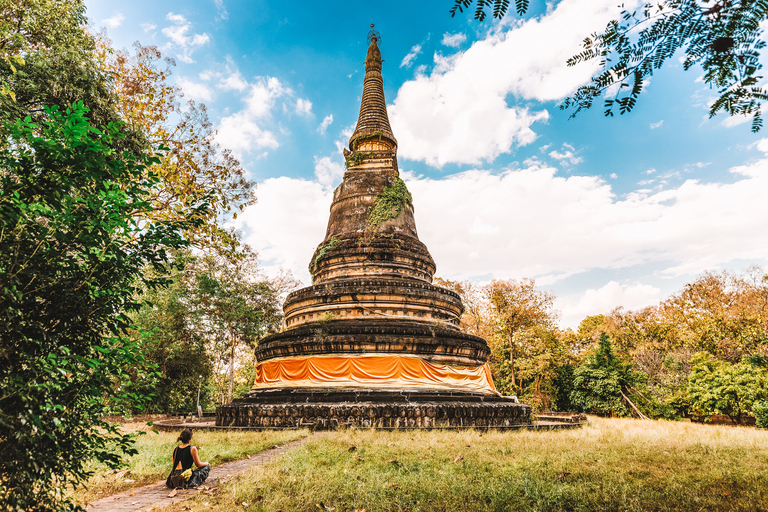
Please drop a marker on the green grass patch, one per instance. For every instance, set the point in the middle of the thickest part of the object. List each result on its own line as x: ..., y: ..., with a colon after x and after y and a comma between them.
x: 611, y: 464
x: 153, y: 462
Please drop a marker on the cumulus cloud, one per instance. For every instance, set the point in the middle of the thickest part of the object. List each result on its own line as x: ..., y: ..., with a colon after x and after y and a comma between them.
x: 195, y: 90
x: 411, y: 56
x: 460, y: 112
x: 303, y: 107
x: 181, y: 39
x: 453, y: 40
x: 243, y: 131
x: 566, y: 155
x: 148, y: 27
x: 328, y: 172
x: 327, y: 120
x: 603, y: 300
x: 731, y: 121
x: 233, y: 81
x: 115, y: 21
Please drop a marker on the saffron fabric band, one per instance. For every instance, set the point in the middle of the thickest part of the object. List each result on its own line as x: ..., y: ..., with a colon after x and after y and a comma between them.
x: 377, y: 371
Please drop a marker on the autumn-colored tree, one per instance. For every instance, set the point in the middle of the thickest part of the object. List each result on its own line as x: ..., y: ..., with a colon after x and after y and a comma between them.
x: 517, y: 306
x: 475, y: 319
x: 195, y: 167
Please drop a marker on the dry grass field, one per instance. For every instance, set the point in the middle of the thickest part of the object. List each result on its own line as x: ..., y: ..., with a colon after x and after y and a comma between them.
x: 610, y: 464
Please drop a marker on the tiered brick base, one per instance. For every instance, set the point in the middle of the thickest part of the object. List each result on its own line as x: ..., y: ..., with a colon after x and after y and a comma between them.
x: 328, y: 409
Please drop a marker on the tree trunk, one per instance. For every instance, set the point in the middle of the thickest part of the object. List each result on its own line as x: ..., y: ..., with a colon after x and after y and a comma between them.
x: 511, y: 360
x: 634, y: 407
x: 231, y: 367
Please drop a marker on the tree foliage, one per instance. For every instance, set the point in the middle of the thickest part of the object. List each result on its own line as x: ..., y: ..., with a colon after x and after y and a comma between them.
x: 232, y: 306
x: 173, y: 345
x: 71, y: 252
x: 515, y: 308
x: 760, y: 410
x: 724, y: 37
x: 718, y: 387
x: 47, y: 58
x: 603, y: 382
x: 195, y: 166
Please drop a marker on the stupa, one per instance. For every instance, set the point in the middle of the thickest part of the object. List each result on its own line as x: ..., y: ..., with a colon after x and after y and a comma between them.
x: 372, y: 343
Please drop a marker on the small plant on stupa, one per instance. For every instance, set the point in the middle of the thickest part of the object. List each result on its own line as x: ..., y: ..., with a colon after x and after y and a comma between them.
x: 357, y: 158
x: 389, y: 204
x: 325, y: 248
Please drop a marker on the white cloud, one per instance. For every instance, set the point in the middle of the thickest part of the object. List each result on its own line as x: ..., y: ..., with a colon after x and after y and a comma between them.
x: 243, y: 131
x: 657, y: 125
x: 762, y: 145
x: 603, y: 300
x: 460, y: 112
x: 327, y: 120
x: 327, y: 172
x: 614, y: 175
x: 262, y: 95
x: 731, y: 121
x: 115, y: 21
x: 194, y: 90
x: 287, y: 223
x: 303, y: 107
x: 180, y: 38
x: 453, y: 40
x: 241, y: 134
x: 148, y: 27
x: 410, y: 56
x: 223, y: 13
x: 234, y: 81
x: 567, y: 156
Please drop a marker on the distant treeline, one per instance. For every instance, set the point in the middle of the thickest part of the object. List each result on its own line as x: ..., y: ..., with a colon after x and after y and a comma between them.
x: 702, y: 351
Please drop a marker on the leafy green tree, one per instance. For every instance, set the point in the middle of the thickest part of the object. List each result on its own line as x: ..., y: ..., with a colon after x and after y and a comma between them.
x: 172, y: 344
x: 71, y: 254
x: 47, y: 58
x: 724, y: 37
x: 602, y: 384
x: 232, y: 306
x: 718, y: 387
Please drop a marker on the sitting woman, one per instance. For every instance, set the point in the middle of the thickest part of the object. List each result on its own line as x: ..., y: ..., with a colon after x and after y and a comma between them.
x: 184, y: 456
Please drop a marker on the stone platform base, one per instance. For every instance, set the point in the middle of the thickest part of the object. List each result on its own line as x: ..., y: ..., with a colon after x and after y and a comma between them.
x: 324, y: 409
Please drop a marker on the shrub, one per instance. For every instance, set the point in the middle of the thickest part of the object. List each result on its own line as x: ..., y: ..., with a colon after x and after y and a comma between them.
x: 760, y: 410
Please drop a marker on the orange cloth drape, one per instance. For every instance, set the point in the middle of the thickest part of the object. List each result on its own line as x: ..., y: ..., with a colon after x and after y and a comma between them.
x: 378, y: 371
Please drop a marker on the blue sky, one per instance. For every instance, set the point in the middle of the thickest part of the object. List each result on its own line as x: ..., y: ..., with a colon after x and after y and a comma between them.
x: 604, y: 212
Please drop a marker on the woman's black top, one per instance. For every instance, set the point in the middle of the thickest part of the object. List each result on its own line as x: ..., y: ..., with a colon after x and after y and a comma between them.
x: 183, y: 455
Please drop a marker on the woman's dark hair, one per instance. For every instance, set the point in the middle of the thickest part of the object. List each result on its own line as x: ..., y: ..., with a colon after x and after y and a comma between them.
x: 185, y: 436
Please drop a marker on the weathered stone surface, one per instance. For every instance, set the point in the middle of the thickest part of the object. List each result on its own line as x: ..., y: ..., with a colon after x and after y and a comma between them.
x: 373, y: 408
x: 354, y: 298
x: 435, y: 343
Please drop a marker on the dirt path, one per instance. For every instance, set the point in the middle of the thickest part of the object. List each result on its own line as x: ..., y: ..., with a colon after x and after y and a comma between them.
x: 157, y: 495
